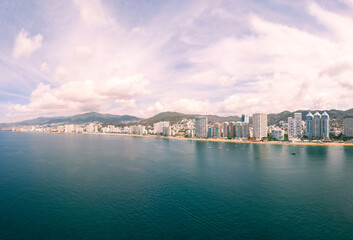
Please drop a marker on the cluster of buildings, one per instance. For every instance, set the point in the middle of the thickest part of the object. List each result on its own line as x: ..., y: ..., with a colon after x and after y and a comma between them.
x: 314, y: 126
x: 239, y: 129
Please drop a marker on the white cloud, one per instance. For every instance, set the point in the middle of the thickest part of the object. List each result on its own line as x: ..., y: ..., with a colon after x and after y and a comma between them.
x: 44, y: 67
x: 93, y: 13
x: 79, y: 96
x: 221, y: 13
x: 194, y: 65
x: 25, y: 44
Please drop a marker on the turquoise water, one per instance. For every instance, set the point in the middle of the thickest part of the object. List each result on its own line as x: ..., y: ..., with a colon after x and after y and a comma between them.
x: 57, y: 186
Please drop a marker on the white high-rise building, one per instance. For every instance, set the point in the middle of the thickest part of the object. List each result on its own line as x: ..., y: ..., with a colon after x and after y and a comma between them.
x: 201, y: 127
x: 295, y: 126
x: 298, y: 126
x: 90, y: 128
x: 69, y: 128
x: 158, y: 127
x: 259, y: 125
x: 291, y: 128
x: 348, y: 126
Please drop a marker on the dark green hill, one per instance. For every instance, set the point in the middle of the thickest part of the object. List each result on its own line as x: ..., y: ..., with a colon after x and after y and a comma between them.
x: 174, y: 117
x: 76, y: 119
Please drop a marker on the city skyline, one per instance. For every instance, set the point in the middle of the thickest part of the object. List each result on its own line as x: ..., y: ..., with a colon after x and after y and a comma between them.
x: 137, y: 58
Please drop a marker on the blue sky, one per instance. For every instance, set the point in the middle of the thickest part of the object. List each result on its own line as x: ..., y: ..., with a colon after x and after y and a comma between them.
x: 144, y: 57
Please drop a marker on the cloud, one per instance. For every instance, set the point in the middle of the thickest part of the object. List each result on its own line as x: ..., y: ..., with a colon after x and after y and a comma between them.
x: 44, y: 67
x: 25, y: 45
x: 221, y: 13
x: 200, y: 57
x: 80, y: 96
x: 93, y: 13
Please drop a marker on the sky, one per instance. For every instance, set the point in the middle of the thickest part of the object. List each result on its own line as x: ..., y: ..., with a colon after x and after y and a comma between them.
x: 142, y: 57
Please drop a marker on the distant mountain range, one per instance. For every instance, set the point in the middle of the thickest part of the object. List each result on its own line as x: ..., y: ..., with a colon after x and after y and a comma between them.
x: 76, y: 119
x: 273, y: 118
x: 172, y: 117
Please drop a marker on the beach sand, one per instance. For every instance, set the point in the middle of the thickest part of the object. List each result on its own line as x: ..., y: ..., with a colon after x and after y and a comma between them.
x: 232, y: 140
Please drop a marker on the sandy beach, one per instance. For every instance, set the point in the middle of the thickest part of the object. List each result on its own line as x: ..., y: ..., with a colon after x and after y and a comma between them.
x: 230, y: 140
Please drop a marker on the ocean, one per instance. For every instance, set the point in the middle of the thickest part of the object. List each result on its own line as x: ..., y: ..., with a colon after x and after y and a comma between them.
x: 80, y: 186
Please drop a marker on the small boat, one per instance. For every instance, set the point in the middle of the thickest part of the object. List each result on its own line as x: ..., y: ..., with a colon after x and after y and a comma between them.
x: 294, y: 154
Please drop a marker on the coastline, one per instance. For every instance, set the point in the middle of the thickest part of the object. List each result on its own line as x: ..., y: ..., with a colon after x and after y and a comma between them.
x: 229, y: 140
x: 219, y: 140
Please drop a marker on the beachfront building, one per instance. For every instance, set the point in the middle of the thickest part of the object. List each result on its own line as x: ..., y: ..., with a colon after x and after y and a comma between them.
x: 309, y: 125
x: 159, y: 126
x: 259, y: 125
x: 201, y: 127
x: 277, y: 134
x: 298, y: 126
x: 348, y: 126
x: 291, y: 128
x: 317, y: 125
x: 239, y: 129
x: 295, y: 126
x: 167, y: 130
x: 225, y: 129
x: 138, y: 129
x: 325, y: 125
x: 246, y: 130
x: 69, y: 128
x: 231, y: 130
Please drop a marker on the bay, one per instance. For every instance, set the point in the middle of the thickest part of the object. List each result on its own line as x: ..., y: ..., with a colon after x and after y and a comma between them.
x: 75, y: 186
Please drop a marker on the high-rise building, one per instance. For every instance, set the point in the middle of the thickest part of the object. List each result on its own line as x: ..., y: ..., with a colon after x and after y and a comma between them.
x: 295, y: 129
x: 325, y: 125
x: 231, y: 130
x: 348, y: 126
x: 167, y: 130
x: 201, y: 127
x: 309, y: 125
x: 317, y: 125
x: 239, y: 129
x: 217, y: 130
x: 69, y: 128
x: 291, y: 128
x: 225, y: 129
x: 246, y: 130
x: 244, y: 118
x: 158, y: 127
x: 298, y: 130
x: 259, y: 125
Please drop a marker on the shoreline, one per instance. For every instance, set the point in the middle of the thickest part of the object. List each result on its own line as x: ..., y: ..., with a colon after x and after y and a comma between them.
x: 229, y: 140
x: 217, y: 139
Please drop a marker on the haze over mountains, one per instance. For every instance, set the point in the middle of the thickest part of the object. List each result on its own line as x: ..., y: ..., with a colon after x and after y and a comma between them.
x: 172, y: 117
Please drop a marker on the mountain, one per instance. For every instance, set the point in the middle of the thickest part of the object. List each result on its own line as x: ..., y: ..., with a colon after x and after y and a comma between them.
x: 337, y: 115
x: 76, y: 119
x: 174, y: 117
x: 273, y: 118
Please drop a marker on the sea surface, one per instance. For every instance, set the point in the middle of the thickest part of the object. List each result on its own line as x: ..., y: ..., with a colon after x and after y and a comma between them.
x: 75, y: 186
